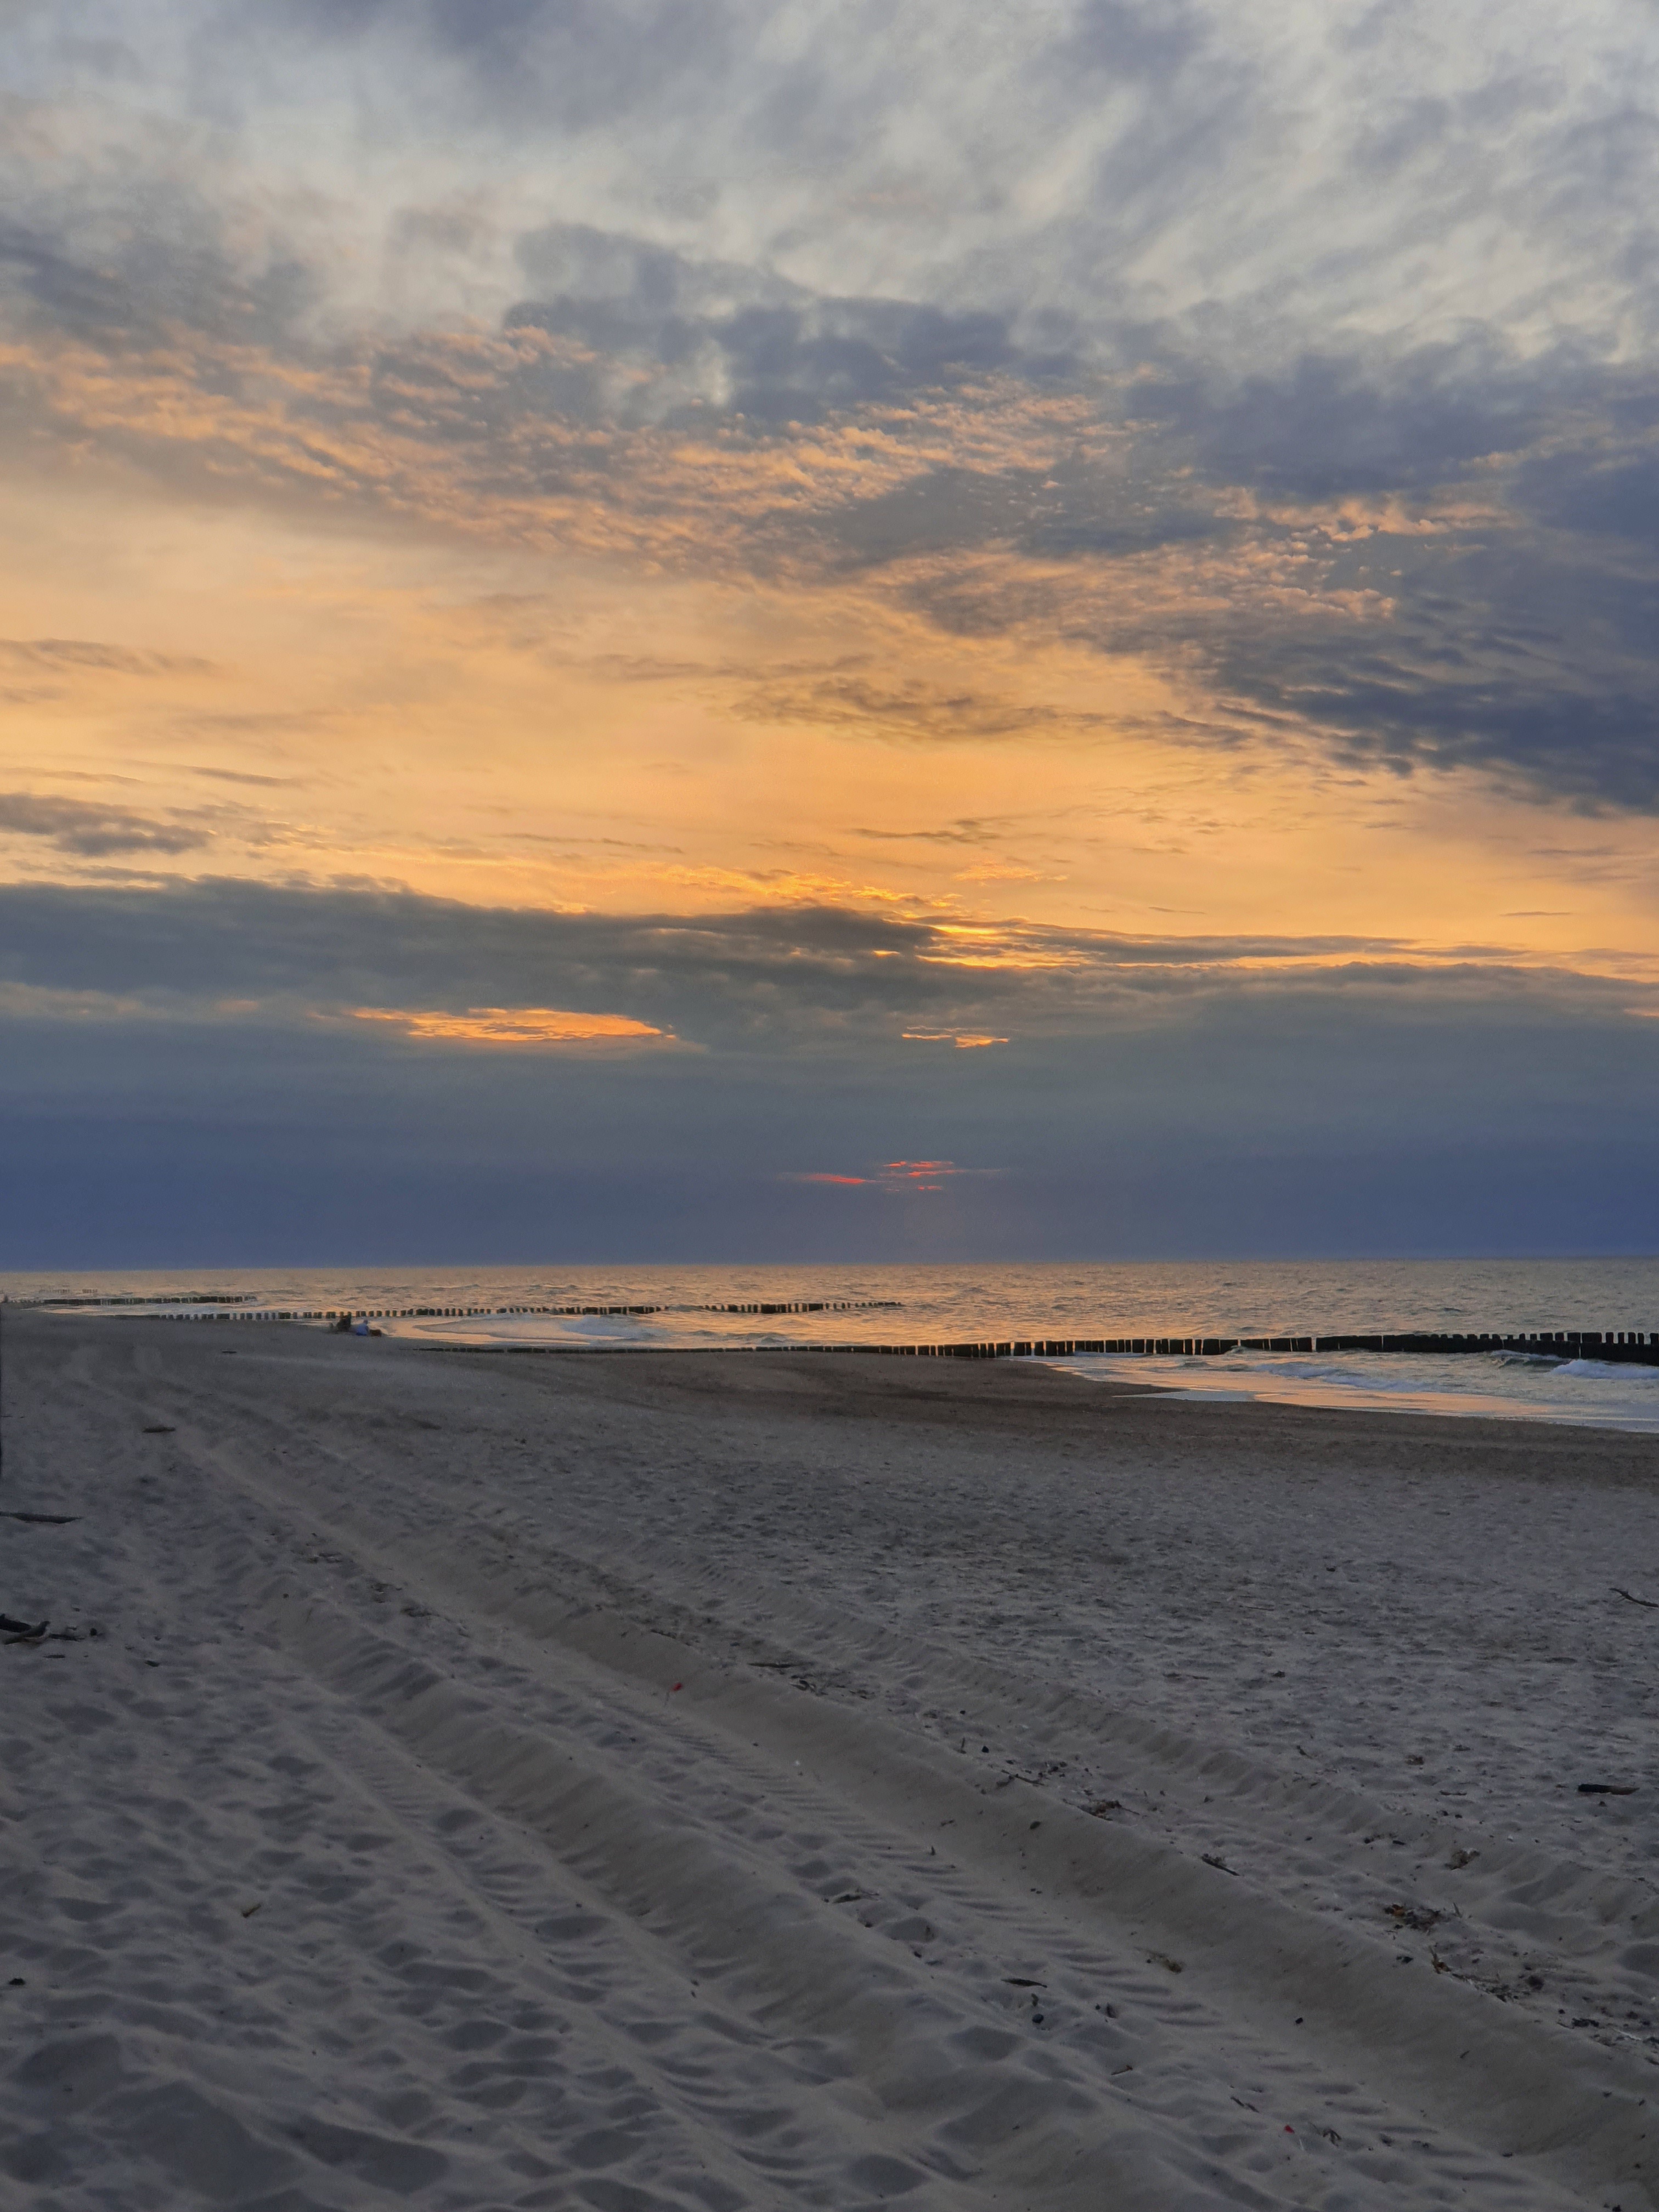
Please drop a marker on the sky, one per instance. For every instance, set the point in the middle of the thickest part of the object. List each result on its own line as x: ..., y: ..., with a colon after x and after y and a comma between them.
x: 776, y: 630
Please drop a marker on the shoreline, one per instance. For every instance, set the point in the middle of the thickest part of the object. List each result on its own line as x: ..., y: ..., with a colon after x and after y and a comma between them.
x: 699, y: 1648
x: 1358, y: 1392
x: 1614, y: 1347
x: 1600, y: 1380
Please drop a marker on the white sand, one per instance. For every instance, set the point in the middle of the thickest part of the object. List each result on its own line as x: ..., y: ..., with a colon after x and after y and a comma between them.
x: 370, y: 1854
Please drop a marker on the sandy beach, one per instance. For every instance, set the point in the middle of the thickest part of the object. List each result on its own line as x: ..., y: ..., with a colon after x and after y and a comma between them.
x: 711, y: 1781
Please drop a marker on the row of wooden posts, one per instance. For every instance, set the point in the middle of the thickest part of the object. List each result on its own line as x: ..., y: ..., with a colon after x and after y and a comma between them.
x: 1638, y: 1347
x: 248, y: 1311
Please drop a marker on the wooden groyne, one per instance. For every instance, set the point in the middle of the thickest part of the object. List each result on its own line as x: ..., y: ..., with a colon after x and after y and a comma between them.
x: 248, y: 1308
x: 1637, y: 1347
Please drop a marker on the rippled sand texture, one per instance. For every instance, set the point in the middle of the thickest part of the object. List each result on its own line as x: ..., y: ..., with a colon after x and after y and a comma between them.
x: 781, y: 1780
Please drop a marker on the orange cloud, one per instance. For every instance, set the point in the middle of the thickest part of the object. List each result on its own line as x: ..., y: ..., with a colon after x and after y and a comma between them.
x: 894, y: 1174
x: 965, y: 1040
x: 517, y: 1026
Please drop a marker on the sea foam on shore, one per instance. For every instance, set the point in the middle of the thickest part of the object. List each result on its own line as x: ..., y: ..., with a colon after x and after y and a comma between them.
x: 688, y: 1308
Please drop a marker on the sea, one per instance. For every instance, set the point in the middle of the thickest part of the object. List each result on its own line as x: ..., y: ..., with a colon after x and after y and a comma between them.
x: 713, y: 1308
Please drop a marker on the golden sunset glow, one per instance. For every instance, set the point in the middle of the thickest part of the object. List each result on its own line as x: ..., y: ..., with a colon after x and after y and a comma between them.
x: 516, y: 1025
x: 1070, y: 585
x: 222, y: 695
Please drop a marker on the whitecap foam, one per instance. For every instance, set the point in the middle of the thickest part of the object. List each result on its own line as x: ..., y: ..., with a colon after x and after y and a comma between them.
x: 1584, y: 1393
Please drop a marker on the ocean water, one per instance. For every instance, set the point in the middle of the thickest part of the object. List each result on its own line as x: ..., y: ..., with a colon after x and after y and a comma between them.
x: 957, y: 1303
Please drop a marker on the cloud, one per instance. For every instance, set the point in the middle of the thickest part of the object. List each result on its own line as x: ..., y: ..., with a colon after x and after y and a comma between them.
x: 896, y: 1176
x: 661, y: 335
x: 915, y: 712
x: 1042, y: 361
x: 239, y: 775
x: 515, y: 1026
x: 167, y: 1091
x: 1165, y: 485
x: 561, y: 64
x: 1486, y: 616
x: 89, y: 830
x: 81, y: 654
x: 781, y: 982
x: 1249, y: 396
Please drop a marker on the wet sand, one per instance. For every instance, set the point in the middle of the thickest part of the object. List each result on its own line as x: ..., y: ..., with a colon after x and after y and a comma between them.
x: 777, y: 1779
